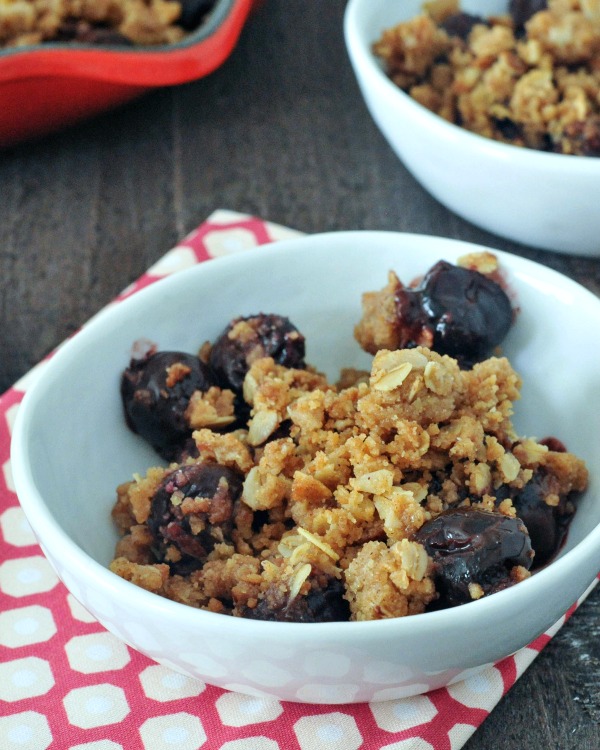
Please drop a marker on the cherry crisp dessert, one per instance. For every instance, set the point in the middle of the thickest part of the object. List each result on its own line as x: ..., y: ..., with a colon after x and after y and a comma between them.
x: 99, y: 22
x: 405, y: 489
x: 530, y: 77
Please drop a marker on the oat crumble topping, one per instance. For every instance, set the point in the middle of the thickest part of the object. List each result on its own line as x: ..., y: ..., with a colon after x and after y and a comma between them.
x: 143, y: 22
x: 334, y: 500
x: 529, y: 78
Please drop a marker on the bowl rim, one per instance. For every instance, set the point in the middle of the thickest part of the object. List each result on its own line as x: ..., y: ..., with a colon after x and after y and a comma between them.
x: 162, y: 64
x: 364, y: 61
x: 75, y: 557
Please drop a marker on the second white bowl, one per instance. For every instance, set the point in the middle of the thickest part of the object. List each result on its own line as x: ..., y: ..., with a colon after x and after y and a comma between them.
x: 548, y: 201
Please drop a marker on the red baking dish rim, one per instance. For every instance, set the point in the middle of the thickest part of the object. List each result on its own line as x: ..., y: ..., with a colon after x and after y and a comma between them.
x: 45, y: 88
x: 138, y: 68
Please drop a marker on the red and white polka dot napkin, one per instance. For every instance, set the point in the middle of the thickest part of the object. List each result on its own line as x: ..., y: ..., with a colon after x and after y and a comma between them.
x: 67, y: 684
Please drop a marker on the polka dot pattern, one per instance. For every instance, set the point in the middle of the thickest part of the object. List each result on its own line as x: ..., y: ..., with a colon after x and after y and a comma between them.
x: 459, y: 734
x: 67, y: 683
x: 251, y: 743
x: 15, y: 527
x: 27, y: 730
x: 237, y: 710
x: 182, y: 731
x: 23, y: 678
x: 398, y: 716
x: 335, y: 731
x: 96, y: 652
x: 475, y: 691
x: 164, y: 685
x: 96, y: 705
x: 415, y: 743
x: 27, y: 575
x: 26, y: 626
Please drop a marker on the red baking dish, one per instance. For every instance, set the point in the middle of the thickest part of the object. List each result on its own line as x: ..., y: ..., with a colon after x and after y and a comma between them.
x: 45, y: 87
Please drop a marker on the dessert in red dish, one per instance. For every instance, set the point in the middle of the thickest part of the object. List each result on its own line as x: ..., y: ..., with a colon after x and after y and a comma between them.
x: 47, y: 85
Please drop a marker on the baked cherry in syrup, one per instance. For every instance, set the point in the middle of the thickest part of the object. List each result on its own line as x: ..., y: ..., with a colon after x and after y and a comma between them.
x: 156, y: 392
x: 247, y: 339
x: 545, y: 523
x: 460, y: 24
x: 522, y: 10
x: 192, y: 510
x: 455, y: 311
x: 324, y: 603
x: 468, y: 545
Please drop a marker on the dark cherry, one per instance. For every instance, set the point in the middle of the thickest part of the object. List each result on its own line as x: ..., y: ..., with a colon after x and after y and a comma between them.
x: 546, y: 523
x: 463, y: 312
x: 586, y: 134
x: 508, y: 128
x: 325, y: 604
x: 77, y: 30
x: 460, y: 24
x: 272, y: 336
x: 554, y: 444
x: 470, y: 545
x: 193, y: 12
x: 218, y: 487
x: 522, y: 10
x: 154, y: 406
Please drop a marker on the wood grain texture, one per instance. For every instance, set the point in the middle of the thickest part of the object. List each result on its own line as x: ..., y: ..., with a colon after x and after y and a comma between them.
x: 280, y: 131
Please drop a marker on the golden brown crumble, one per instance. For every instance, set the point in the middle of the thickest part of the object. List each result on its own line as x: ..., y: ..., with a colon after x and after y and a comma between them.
x: 536, y: 86
x: 145, y: 22
x: 336, y: 501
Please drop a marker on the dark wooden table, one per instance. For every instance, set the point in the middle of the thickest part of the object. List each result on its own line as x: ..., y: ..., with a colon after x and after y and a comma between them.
x: 279, y: 131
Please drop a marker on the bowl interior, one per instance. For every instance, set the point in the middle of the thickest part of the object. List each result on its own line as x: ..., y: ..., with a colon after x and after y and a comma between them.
x: 74, y: 448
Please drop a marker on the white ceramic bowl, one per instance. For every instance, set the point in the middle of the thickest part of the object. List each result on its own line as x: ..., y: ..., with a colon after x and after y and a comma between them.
x: 71, y: 449
x: 548, y: 201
